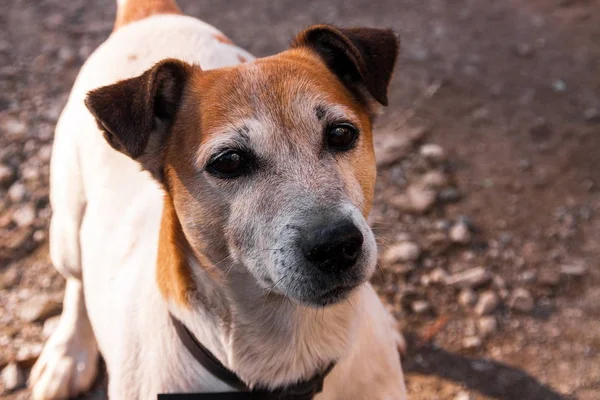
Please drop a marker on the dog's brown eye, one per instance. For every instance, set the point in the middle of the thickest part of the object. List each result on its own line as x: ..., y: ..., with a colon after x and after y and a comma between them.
x: 342, y: 137
x: 228, y: 165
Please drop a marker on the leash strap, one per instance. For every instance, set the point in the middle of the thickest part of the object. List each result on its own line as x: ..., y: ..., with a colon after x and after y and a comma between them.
x: 305, y: 390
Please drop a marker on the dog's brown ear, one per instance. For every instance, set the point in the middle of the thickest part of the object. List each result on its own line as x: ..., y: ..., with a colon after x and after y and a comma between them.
x: 136, y: 114
x: 358, y: 56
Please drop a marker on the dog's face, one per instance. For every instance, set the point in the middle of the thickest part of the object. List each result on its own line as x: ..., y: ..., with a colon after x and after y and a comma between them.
x: 268, y: 164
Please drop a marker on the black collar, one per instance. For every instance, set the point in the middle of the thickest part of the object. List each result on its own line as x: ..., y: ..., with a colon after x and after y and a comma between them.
x: 305, y: 390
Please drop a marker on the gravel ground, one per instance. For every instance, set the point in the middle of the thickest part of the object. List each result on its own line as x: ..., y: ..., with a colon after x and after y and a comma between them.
x: 487, y: 201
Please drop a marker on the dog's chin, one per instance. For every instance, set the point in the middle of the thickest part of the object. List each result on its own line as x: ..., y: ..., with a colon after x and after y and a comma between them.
x: 331, y: 296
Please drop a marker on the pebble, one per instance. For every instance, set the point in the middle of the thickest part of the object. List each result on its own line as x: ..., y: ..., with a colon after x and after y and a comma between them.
x: 418, y: 199
x: 470, y: 278
x: 401, y: 252
x: 7, y: 175
x: 391, y: 148
x: 24, y: 216
x: 39, y: 308
x: 559, y: 86
x: 460, y: 233
x: 9, y: 278
x: 531, y: 253
x: 592, y: 115
x: 13, y: 377
x: 50, y: 326
x: 548, y: 277
x: 576, y: 269
x: 462, y: 396
x: 14, y: 128
x: 487, y: 303
x: 471, y: 342
x: 17, y: 192
x: 434, y: 180
x: 486, y: 326
x: 438, y: 275
x: 524, y: 50
x: 28, y: 354
x: 467, y: 297
x: 421, y: 198
x: 419, y: 306
x: 39, y: 236
x: 433, y: 152
x: 449, y: 195
x: 521, y: 300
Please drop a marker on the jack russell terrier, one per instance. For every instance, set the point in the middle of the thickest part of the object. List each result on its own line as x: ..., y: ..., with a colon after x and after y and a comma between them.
x: 210, y: 216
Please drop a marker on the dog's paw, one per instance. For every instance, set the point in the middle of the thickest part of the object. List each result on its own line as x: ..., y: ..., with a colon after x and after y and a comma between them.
x: 67, y: 366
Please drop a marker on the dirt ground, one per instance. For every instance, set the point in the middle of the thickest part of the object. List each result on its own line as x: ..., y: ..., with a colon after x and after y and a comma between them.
x: 510, y: 91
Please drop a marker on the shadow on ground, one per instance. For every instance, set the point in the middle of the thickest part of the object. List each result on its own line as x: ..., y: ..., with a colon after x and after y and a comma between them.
x: 482, y: 375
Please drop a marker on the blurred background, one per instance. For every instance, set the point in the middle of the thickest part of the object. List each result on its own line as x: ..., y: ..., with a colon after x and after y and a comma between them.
x: 487, y: 205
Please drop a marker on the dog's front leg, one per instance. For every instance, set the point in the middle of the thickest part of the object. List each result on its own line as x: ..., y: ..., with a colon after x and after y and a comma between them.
x: 69, y: 361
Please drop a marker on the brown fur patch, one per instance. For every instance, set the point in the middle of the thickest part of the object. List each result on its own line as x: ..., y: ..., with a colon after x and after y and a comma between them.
x: 223, y: 39
x: 135, y: 10
x: 242, y: 59
x: 173, y: 275
x: 132, y: 57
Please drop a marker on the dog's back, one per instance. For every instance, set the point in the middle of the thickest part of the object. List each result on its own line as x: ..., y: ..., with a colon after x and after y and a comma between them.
x: 106, y: 210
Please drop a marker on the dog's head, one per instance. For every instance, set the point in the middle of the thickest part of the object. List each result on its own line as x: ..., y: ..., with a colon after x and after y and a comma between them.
x: 269, y: 163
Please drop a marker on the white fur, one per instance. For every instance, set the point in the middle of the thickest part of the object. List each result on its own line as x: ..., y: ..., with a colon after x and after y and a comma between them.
x: 105, y: 231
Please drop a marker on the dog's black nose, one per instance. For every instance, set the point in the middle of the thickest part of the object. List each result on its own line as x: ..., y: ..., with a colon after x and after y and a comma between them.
x: 333, y: 247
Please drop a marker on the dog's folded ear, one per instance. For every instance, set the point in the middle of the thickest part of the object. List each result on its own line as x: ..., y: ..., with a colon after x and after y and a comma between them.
x: 362, y: 58
x: 136, y: 114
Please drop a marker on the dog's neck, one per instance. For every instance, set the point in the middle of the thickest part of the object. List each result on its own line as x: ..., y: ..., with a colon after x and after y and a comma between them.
x: 265, y: 338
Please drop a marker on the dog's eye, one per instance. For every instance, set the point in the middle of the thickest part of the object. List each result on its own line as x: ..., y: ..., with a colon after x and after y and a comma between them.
x: 341, y: 137
x: 228, y: 165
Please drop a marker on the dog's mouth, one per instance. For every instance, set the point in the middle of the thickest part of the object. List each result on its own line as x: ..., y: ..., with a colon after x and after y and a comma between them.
x: 333, y: 296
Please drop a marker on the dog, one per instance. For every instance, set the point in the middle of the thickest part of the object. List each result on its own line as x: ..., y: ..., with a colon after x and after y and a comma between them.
x: 195, y: 188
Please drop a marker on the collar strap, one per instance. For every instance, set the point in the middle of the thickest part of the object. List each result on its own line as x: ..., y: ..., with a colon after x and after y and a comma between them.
x: 304, y: 390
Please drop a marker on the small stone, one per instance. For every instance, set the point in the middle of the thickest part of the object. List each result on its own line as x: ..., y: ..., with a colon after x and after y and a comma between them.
x: 45, y: 153
x: 14, y: 128
x: 433, y: 152
x: 39, y: 308
x: 9, y: 278
x: 574, y: 270
x: 548, y: 277
x: 438, y: 275
x: 462, y: 396
x: 418, y: 199
x: 487, y: 303
x: 7, y: 175
x: 28, y: 354
x: 470, y: 278
x: 559, y: 86
x: 532, y: 253
x: 471, y: 342
x: 521, y: 300
x: 467, y: 297
x: 401, y: 252
x: 449, y: 195
x: 39, y: 236
x: 524, y: 50
x: 486, y: 326
x: 393, y: 147
x: 460, y: 233
x: 17, y: 192
x: 419, y: 306
x: 592, y: 115
x: 50, y: 326
x: 434, y: 179
x: 24, y: 216
x: 13, y: 377
x: 67, y: 55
